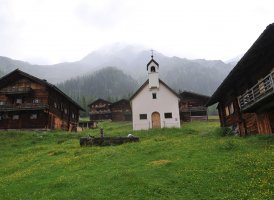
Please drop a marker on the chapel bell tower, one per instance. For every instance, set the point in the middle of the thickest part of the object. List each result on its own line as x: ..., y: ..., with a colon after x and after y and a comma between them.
x: 153, y: 73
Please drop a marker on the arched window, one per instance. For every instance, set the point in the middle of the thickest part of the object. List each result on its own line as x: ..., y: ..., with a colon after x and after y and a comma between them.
x: 152, y: 69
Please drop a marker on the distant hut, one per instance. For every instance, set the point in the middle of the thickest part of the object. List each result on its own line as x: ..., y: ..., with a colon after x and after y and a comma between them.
x: 121, y: 110
x: 27, y: 102
x: 246, y: 96
x: 192, y: 106
x: 100, y: 110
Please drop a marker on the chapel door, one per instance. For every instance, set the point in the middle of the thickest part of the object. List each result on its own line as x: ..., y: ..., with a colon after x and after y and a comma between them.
x: 156, y: 121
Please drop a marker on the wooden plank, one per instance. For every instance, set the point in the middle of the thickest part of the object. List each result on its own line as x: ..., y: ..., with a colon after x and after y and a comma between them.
x: 263, y: 123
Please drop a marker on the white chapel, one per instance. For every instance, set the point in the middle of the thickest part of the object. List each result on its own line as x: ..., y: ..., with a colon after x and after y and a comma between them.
x: 154, y: 104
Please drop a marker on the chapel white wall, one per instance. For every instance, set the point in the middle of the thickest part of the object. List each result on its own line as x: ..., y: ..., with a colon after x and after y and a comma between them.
x: 166, y: 102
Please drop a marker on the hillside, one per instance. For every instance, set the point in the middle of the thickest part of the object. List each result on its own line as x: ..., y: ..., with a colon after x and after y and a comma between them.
x: 53, y: 73
x: 200, y: 76
x: 1, y: 73
x: 109, y: 83
x: 92, y: 78
x: 131, y: 59
x: 192, y: 162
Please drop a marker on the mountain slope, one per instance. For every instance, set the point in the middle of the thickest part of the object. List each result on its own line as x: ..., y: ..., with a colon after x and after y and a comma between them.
x: 199, y: 75
x: 1, y: 73
x: 105, y: 83
x: 53, y: 73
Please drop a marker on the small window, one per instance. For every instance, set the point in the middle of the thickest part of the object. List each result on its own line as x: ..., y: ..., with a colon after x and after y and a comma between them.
x: 55, y: 105
x: 143, y: 116
x: 2, y: 103
x: 35, y: 101
x: 18, y: 101
x: 152, y: 69
x: 15, y: 117
x: 33, y: 116
x: 66, y: 111
x: 226, y: 111
x: 72, y: 115
x: 154, y: 96
x: 5, y: 116
x: 168, y: 115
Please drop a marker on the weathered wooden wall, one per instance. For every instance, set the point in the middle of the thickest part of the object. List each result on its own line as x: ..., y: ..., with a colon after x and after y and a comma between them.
x: 121, y: 111
x: 246, y: 123
x: 54, y: 110
x: 192, y: 106
x: 263, y: 123
x: 24, y: 121
x: 62, y: 113
x: 271, y: 119
x: 100, y: 110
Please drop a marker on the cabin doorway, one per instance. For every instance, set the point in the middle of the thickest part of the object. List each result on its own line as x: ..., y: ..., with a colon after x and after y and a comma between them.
x: 156, y: 120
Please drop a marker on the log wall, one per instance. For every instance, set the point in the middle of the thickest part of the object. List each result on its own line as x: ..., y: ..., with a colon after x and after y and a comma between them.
x: 53, y: 110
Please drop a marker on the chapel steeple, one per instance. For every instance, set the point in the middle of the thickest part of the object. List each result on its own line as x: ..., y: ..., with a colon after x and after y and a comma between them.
x: 153, y: 72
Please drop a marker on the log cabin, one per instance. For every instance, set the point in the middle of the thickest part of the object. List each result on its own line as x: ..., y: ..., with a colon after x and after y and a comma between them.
x: 192, y: 106
x: 27, y: 102
x: 100, y: 110
x: 246, y: 96
x: 121, y: 110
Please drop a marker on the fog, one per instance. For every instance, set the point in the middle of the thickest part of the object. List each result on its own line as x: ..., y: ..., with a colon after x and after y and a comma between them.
x: 54, y: 31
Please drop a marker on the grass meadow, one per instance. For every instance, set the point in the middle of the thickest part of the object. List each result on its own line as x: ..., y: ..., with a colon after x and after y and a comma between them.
x: 193, y: 162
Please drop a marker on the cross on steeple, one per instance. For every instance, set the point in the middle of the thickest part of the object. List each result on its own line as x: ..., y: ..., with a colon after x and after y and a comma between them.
x: 152, y: 53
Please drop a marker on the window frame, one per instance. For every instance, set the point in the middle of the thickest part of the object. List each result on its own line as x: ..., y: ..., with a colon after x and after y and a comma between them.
x: 33, y: 118
x: 142, y: 116
x: 35, y: 101
x: 15, y: 117
x: 18, y: 101
x: 168, y: 115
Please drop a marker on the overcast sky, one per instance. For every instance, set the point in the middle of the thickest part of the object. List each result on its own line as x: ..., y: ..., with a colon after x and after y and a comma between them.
x: 52, y: 31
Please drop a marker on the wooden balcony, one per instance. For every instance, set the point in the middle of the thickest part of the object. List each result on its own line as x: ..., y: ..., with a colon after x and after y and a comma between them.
x: 258, y: 93
x: 15, y: 90
x: 24, y: 106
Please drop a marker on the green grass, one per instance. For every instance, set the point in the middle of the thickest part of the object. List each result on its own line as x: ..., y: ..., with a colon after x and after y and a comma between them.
x: 193, y: 162
x: 213, y: 117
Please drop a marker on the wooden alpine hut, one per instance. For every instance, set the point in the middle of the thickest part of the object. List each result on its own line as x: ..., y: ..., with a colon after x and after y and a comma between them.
x: 246, y: 96
x: 27, y: 102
